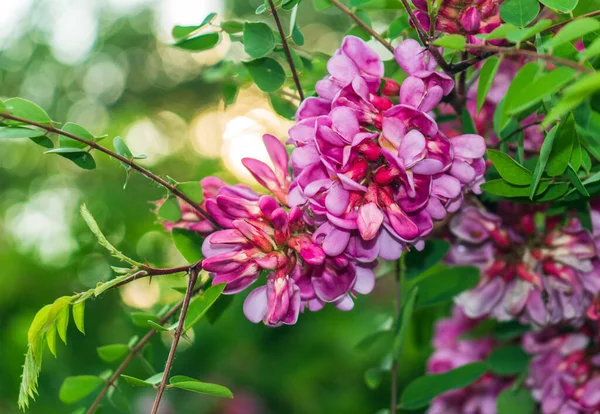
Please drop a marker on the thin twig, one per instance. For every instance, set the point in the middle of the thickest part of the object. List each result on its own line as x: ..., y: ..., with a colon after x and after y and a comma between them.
x: 286, y: 50
x: 178, y: 332
x: 134, y: 351
x: 530, y: 53
x: 557, y: 26
x: 147, y: 271
x: 50, y: 128
x: 516, y: 131
x: 362, y: 24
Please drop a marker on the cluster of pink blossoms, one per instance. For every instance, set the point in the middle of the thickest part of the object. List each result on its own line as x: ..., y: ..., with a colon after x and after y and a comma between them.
x: 544, y: 276
x: 370, y: 174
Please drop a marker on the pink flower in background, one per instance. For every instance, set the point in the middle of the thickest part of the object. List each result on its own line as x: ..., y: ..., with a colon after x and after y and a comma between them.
x: 451, y: 351
x: 467, y: 17
x: 542, y: 277
x: 564, y: 374
x: 373, y: 176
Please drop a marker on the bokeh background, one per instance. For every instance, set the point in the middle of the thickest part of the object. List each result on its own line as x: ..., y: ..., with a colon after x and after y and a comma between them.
x: 108, y: 65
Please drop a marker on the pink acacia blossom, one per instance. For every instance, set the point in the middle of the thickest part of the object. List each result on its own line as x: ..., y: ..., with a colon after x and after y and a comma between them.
x: 451, y: 351
x: 371, y: 175
x: 544, y: 278
x: 564, y: 374
x: 260, y: 234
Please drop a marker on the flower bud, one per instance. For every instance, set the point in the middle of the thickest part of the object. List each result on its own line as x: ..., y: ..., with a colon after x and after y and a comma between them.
x: 470, y: 20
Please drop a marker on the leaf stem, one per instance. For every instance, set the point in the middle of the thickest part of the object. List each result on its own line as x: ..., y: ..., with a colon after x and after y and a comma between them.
x: 178, y: 332
x: 362, y: 24
x: 147, y: 271
x: 286, y: 50
x: 173, y: 189
x: 134, y: 351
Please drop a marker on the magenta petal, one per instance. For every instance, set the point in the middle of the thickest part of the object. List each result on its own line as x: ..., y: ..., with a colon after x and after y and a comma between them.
x: 412, y: 146
x: 402, y: 224
x: 342, y: 69
x: 365, y: 280
x: 463, y: 171
x: 336, y: 241
x: 481, y: 301
x: 365, y: 58
x: 409, y: 55
x: 469, y: 146
x: 369, y: 220
x: 345, y: 303
x: 261, y: 172
x: 278, y: 155
x: 255, y: 305
x: 330, y: 286
x: 337, y: 199
x: 390, y: 248
x: 412, y: 91
x: 345, y: 121
x: 432, y: 98
x: 428, y: 167
x: 446, y: 186
x: 313, y: 107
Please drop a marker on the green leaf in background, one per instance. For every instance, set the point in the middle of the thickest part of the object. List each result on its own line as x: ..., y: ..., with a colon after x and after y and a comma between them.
x: 453, y: 41
x: 78, y: 316
x: 170, y: 210
x: 397, y: 27
x: 189, y: 244
x: 267, y: 73
x: 190, y: 384
x: 421, y: 391
x: 572, y: 31
x: 541, y: 88
x: 192, y: 189
x: 405, y: 320
x: 517, y: 401
x: 20, y: 132
x: 26, y: 109
x: 259, y: 39
x: 199, y: 43
x: 563, y: 6
x: 114, y: 352
x: 444, y: 284
x: 467, y: 123
x: 486, y: 79
x: 232, y: 26
x: 562, y: 147
x: 373, y: 377
x: 218, y: 308
x: 505, y: 331
x: 519, y: 12
x: 523, y: 79
x: 508, y: 360
x: 180, y: 32
x: 321, y: 5
x: 78, y: 131
x: 528, y: 32
x: 509, y: 169
x: 74, y: 389
x: 200, y: 305
x: 501, y: 188
x: 540, y: 167
x: 592, y: 50
x: 417, y: 262
x: 141, y: 318
x: 573, y: 96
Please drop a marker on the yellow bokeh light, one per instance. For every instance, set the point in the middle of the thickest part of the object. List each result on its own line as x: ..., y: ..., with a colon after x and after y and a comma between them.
x: 140, y: 294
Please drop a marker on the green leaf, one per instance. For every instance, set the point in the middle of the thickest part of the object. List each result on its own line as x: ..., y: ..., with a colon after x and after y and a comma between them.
x: 232, y: 26
x: 219, y: 308
x: 78, y: 316
x: 467, y: 123
x: 189, y: 244
x: 80, y: 157
x: 519, y: 12
x: 78, y: 131
x: 282, y: 106
x: 267, y: 73
x: 170, y: 210
x: 27, y: 110
x: 500, y: 32
x: 563, y: 6
x: 453, y: 41
x: 20, y: 132
x: 297, y: 36
x: 509, y: 169
x: 62, y: 321
x: 541, y: 88
x: 508, y: 360
x: 180, y: 32
x: 114, y: 352
x: 373, y: 377
x: 259, y: 39
x: 43, y: 141
x: 157, y: 326
x: 192, y: 189
x: 486, y: 79
x: 521, y: 81
x: 540, y: 167
x: 572, y: 176
x: 505, y: 331
x: 444, y: 284
x: 29, y: 378
x: 74, y: 389
x: 573, y: 96
x: 51, y: 339
x: 572, y: 31
x: 518, y: 401
x: 592, y: 50
x: 141, y: 318
x: 502, y: 188
x: 199, y: 43
x: 123, y: 150
x: 422, y: 390
x: 417, y: 262
x: 190, y: 384
x: 290, y: 4
x: 562, y: 147
x: 136, y: 382
x: 405, y: 319
x: 397, y: 27
x: 528, y: 32
x: 555, y: 191
x: 200, y: 305
x: 321, y: 5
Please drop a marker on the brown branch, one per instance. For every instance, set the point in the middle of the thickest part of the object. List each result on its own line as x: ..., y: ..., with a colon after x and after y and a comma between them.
x: 286, y: 50
x: 531, y: 53
x: 147, y: 271
x: 362, y: 24
x: 134, y: 351
x: 51, y: 129
x: 178, y: 332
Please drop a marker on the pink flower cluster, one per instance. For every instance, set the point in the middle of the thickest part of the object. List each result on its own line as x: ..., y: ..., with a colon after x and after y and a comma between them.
x: 564, y: 374
x: 467, y: 17
x: 374, y: 172
x: 370, y: 173
x: 545, y: 276
x: 451, y: 351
